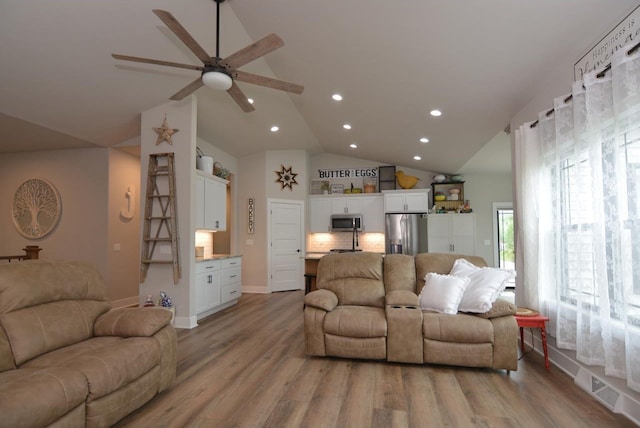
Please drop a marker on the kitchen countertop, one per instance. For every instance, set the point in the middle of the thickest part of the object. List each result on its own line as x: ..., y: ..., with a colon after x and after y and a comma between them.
x: 317, y: 255
x: 216, y: 257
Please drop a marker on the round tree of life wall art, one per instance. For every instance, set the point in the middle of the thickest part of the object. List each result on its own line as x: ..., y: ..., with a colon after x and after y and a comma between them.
x: 36, y: 208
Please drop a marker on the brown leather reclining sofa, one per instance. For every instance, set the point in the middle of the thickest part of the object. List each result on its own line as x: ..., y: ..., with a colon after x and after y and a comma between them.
x: 366, y: 306
x: 66, y: 359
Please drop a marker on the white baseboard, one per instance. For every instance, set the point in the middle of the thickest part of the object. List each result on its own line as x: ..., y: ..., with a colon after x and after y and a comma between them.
x: 186, y: 322
x: 611, y: 392
x: 254, y: 289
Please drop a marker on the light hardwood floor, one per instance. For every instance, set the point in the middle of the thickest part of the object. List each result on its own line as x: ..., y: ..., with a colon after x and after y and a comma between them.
x: 246, y: 367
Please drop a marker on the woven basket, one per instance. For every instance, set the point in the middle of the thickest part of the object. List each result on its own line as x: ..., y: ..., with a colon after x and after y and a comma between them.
x: 526, y: 312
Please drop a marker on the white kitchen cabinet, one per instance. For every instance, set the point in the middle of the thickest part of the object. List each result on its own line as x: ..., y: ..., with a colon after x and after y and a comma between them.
x: 210, y: 202
x: 373, y: 214
x: 207, y: 285
x: 230, y: 279
x: 369, y: 206
x: 346, y: 204
x: 406, y: 201
x: 451, y: 233
x: 319, y: 214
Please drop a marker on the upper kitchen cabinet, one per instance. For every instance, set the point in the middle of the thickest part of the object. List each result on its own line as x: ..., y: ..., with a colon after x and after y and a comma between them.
x: 210, y: 202
x: 346, y: 204
x: 319, y: 214
x: 369, y: 206
x: 406, y: 201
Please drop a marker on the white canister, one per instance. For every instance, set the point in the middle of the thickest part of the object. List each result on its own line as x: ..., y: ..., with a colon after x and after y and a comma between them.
x: 204, y: 163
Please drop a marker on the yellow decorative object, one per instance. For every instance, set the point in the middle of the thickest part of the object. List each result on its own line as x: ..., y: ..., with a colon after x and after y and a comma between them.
x: 406, y: 181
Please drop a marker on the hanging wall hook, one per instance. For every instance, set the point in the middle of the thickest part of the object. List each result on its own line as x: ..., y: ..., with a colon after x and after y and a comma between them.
x: 129, y: 212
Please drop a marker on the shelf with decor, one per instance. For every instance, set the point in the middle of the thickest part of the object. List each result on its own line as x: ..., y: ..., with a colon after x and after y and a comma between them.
x: 448, y: 195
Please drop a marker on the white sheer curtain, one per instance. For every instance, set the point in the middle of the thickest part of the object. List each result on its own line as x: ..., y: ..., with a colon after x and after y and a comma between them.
x: 578, y: 215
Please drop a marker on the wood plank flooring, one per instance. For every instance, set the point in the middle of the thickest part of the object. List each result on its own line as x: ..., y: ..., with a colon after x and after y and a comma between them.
x: 246, y: 367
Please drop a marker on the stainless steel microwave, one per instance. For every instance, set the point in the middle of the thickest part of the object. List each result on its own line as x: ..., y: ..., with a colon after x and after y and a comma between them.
x: 346, y: 223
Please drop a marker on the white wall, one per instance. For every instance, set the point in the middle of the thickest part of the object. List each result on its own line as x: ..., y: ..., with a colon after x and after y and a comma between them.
x: 482, y: 190
x: 182, y: 116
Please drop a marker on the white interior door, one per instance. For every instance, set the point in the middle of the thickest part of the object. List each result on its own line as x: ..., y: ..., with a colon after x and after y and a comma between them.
x: 286, y: 245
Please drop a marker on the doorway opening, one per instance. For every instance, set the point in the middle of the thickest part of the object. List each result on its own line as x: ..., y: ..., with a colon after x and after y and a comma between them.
x: 504, y: 242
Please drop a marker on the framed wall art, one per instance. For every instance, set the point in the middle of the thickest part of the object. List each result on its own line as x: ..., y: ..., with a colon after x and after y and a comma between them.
x: 36, y: 208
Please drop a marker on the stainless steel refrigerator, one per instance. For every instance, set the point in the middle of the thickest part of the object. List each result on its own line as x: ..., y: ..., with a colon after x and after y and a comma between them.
x: 405, y: 234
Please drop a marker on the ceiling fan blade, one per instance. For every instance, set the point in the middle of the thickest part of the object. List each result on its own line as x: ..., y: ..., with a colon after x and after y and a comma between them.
x: 187, y: 90
x: 239, y: 96
x: 268, y: 82
x: 255, y: 50
x: 157, y: 62
x: 177, y: 28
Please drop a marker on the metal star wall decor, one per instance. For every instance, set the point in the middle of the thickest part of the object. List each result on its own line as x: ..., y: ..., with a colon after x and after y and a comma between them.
x: 165, y: 132
x: 286, y: 177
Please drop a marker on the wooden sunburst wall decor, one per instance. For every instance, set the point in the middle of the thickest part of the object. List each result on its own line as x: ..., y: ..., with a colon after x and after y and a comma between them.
x: 286, y: 177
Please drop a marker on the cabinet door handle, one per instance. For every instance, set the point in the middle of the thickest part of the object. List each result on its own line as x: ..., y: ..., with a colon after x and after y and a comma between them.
x: 232, y: 276
x: 209, y: 279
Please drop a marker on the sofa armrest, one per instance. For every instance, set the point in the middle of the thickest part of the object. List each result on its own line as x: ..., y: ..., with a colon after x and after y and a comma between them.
x: 401, y: 298
x: 500, y: 308
x: 321, y: 299
x: 130, y: 322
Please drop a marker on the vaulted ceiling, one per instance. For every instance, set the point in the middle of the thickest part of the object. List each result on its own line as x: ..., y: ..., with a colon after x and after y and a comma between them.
x: 393, y: 61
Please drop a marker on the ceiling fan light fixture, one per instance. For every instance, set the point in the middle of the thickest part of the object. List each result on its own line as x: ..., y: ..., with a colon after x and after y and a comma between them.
x: 217, y: 80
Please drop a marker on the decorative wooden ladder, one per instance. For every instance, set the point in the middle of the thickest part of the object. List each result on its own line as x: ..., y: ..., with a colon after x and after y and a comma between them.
x: 160, y: 214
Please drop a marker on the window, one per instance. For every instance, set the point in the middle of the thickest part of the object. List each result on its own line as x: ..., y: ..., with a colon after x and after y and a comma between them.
x: 574, y: 182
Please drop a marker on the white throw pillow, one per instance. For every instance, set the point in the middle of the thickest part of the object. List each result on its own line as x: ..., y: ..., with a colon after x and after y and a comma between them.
x: 485, y: 286
x: 442, y: 293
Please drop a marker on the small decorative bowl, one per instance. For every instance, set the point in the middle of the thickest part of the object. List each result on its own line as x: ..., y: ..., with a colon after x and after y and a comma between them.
x: 440, y: 197
x: 454, y: 191
x: 439, y: 178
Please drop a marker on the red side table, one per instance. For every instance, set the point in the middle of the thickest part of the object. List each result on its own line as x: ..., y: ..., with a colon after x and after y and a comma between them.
x: 536, y: 321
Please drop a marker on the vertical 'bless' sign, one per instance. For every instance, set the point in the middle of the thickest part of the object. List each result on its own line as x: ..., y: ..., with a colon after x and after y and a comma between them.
x: 348, y: 173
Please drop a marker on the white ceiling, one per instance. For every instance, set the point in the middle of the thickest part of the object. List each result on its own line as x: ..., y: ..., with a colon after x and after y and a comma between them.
x: 393, y: 61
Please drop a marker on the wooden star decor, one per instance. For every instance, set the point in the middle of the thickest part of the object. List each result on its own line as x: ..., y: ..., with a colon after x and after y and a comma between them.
x: 286, y: 177
x: 165, y: 132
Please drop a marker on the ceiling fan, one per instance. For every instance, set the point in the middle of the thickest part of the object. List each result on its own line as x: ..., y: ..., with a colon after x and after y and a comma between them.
x: 220, y: 73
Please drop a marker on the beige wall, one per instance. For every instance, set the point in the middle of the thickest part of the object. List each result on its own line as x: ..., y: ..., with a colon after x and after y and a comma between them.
x: 253, y: 247
x: 123, y: 245
x: 81, y: 178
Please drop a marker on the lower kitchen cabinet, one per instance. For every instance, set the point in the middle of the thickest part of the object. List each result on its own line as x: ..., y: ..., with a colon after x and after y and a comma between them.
x: 231, y: 279
x: 207, y: 285
x: 451, y: 233
x: 218, y: 284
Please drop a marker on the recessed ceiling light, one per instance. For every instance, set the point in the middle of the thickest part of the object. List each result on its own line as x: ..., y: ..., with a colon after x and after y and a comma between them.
x: 435, y: 113
x: 353, y: 145
x: 417, y: 157
x: 346, y: 126
x: 274, y: 128
x: 424, y: 140
x: 250, y: 100
x: 336, y: 97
